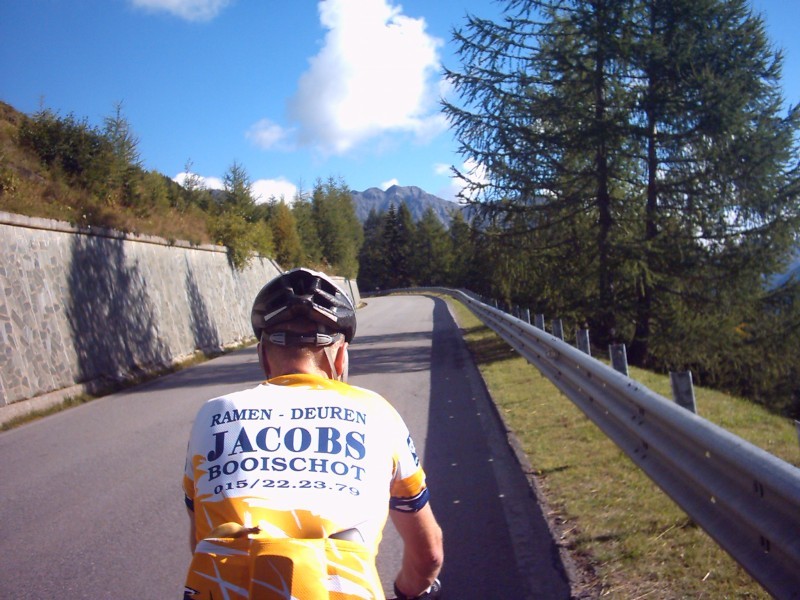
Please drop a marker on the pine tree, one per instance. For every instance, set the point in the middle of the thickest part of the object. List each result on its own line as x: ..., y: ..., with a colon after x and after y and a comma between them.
x: 123, y: 161
x: 237, y: 223
x: 461, y: 243
x: 397, y: 234
x: 432, y: 251
x: 340, y: 232
x: 372, y: 265
x: 238, y: 193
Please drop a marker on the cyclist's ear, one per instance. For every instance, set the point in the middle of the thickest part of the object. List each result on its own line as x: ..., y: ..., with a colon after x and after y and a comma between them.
x: 342, y: 362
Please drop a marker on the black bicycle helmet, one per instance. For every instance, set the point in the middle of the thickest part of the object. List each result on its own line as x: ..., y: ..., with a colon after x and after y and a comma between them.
x: 303, y: 293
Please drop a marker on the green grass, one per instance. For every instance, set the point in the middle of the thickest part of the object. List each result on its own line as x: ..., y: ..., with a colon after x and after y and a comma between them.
x: 638, y: 543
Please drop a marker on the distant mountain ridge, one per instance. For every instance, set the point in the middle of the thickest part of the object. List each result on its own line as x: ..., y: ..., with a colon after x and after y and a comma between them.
x: 416, y: 199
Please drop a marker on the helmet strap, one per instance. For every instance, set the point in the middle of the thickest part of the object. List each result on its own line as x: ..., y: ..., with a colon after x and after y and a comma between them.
x: 346, y: 368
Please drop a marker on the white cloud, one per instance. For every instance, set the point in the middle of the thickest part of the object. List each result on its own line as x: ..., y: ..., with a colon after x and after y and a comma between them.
x: 376, y: 73
x: 387, y: 184
x: 475, y: 171
x: 471, y: 169
x: 207, y: 183
x: 442, y: 169
x: 214, y: 183
x: 265, y: 189
x: 265, y: 134
x: 191, y: 10
x: 430, y: 127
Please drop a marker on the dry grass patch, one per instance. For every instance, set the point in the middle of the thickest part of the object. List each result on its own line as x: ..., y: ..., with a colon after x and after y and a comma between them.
x: 640, y: 544
x: 68, y: 402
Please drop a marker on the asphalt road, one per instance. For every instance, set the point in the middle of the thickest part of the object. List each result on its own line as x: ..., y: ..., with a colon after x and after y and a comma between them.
x: 92, y: 505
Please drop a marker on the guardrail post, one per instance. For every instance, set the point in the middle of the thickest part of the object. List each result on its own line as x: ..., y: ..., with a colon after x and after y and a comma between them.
x: 797, y: 425
x: 528, y: 316
x: 683, y: 390
x: 558, y: 329
x: 619, y: 358
x: 583, y: 341
x: 539, y: 321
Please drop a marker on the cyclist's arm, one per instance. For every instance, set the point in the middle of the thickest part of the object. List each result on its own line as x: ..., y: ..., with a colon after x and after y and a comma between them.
x: 192, y: 530
x: 423, y: 553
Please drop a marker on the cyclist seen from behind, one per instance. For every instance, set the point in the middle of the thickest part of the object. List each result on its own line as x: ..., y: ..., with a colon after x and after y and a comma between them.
x: 289, y: 484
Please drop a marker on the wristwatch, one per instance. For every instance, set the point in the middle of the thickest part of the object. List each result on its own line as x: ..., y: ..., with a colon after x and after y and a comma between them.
x: 432, y: 593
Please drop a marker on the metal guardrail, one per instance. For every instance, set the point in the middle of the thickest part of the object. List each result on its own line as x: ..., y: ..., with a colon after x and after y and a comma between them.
x: 745, y: 498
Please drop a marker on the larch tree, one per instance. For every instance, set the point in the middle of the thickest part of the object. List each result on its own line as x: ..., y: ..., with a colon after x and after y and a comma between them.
x: 286, y: 239
x: 718, y: 178
x: 303, y: 212
x: 637, y: 159
x: 543, y: 104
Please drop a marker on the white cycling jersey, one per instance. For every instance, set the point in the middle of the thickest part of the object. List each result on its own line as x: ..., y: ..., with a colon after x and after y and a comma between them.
x: 302, y: 458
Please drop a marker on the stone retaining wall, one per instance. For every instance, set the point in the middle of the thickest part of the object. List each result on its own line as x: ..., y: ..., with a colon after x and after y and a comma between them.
x: 80, y: 307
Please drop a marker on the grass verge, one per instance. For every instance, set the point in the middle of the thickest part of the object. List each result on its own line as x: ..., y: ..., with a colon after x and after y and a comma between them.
x: 33, y: 415
x: 636, y: 540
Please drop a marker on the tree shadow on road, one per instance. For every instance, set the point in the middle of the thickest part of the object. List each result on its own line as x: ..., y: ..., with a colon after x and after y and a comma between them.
x: 226, y: 371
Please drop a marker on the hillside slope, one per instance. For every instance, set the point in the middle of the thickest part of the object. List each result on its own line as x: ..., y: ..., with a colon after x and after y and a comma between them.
x: 89, y: 194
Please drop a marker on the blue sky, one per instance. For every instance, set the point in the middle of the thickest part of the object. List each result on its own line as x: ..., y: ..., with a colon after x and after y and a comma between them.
x: 292, y: 90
